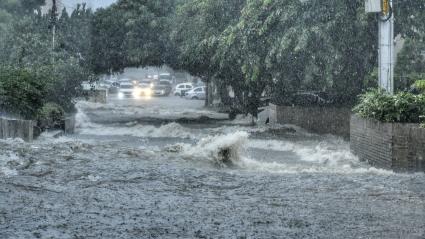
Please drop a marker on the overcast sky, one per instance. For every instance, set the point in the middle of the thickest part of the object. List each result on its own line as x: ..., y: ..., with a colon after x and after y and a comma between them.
x: 91, y: 3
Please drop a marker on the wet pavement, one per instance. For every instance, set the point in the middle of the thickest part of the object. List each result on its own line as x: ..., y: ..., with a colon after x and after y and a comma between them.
x: 132, y: 179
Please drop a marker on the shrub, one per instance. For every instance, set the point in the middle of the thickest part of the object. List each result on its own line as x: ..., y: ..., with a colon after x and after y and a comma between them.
x: 420, y: 85
x: 22, y: 91
x: 402, y: 107
x: 50, y: 116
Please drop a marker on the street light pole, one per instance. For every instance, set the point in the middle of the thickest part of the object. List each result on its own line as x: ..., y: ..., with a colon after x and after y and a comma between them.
x: 386, y: 47
x: 53, y: 19
x: 386, y: 41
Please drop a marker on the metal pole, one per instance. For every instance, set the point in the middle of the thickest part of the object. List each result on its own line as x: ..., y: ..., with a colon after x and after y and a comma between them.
x: 386, y: 51
x: 54, y: 14
x: 54, y: 37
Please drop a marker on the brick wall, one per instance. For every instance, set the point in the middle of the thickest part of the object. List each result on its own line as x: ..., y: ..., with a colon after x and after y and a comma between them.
x: 321, y: 120
x: 400, y: 147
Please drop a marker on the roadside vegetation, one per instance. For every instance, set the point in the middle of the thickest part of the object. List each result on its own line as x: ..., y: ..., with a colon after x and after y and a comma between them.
x: 402, y: 107
x: 257, y: 47
x: 34, y: 72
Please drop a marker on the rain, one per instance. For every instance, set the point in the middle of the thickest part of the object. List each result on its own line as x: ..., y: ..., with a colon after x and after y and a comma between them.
x: 212, y: 119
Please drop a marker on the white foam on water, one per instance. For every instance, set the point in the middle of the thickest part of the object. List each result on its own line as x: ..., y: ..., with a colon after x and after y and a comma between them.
x: 81, y: 119
x: 5, y: 158
x: 274, y: 145
x: 149, y: 109
x: 312, y: 156
x: 171, y: 130
x: 229, y: 129
x: 12, y: 141
x: 85, y: 126
x: 211, y: 147
x: 93, y: 178
x: 330, y: 156
x: 286, y: 168
x: 94, y: 106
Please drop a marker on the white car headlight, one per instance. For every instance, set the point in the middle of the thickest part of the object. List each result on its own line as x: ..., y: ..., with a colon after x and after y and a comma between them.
x: 120, y: 95
x: 148, y: 92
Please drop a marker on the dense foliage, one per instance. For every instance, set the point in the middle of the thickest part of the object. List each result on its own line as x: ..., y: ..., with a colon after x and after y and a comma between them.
x: 257, y: 45
x: 131, y: 33
x: 22, y: 91
x: 402, y: 107
x: 50, y: 115
x: 410, y: 63
x: 27, y: 51
x: 420, y: 85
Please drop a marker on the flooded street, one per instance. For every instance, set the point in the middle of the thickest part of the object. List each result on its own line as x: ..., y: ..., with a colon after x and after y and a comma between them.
x: 155, y: 168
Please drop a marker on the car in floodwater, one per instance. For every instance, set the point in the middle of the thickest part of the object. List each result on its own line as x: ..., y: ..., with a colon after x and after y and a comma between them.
x: 198, y: 93
x: 166, y: 77
x: 161, y: 88
x: 181, y: 89
x: 127, y: 90
x: 145, y: 88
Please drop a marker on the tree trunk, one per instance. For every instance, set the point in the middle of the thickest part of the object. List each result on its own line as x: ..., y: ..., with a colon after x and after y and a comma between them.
x: 224, y: 95
x: 207, y: 92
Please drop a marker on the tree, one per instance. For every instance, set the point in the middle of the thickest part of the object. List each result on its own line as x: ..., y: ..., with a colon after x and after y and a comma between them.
x: 137, y: 33
x: 21, y: 91
x: 197, y: 29
x: 410, y: 64
x: 27, y: 48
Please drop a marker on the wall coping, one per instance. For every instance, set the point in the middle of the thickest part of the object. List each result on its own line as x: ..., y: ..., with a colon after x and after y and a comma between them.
x: 410, y: 125
x: 314, y: 106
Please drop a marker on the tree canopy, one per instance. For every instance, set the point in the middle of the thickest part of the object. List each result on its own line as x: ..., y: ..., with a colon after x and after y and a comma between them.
x: 255, y: 46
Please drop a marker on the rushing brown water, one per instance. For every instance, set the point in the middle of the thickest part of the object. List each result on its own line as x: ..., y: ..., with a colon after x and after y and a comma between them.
x: 132, y: 180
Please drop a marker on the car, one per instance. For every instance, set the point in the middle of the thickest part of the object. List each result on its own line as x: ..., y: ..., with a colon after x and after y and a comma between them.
x: 198, y: 93
x: 165, y: 76
x: 145, y: 88
x: 109, y: 85
x: 146, y: 83
x: 181, y: 89
x: 161, y: 88
x: 127, y: 90
x: 95, y: 85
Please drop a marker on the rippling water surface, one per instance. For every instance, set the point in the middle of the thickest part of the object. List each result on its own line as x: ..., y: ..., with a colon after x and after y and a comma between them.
x: 134, y: 180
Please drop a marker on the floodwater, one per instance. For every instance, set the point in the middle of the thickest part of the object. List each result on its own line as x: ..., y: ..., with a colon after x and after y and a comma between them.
x: 130, y: 179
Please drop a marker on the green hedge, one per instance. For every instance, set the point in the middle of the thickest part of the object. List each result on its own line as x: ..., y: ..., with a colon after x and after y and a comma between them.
x: 50, y: 116
x: 420, y: 85
x: 401, y: 108
x: 22, y: 91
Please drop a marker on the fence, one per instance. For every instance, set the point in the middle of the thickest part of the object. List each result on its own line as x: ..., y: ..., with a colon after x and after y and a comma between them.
x: 14, y: 128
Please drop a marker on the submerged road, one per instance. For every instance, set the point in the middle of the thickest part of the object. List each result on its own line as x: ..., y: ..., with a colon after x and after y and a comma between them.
x: 122, y: 177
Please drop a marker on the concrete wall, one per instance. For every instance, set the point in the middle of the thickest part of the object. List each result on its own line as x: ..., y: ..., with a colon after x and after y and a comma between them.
x: 321, y: 120
x: 399, y: 147
x: 13, y: 128
x: 69, y: 124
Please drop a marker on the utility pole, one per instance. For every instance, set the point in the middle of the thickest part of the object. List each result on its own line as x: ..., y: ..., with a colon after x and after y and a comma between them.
x: 386, y: 48
x: 54, y: 13
x: 386, y: 42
